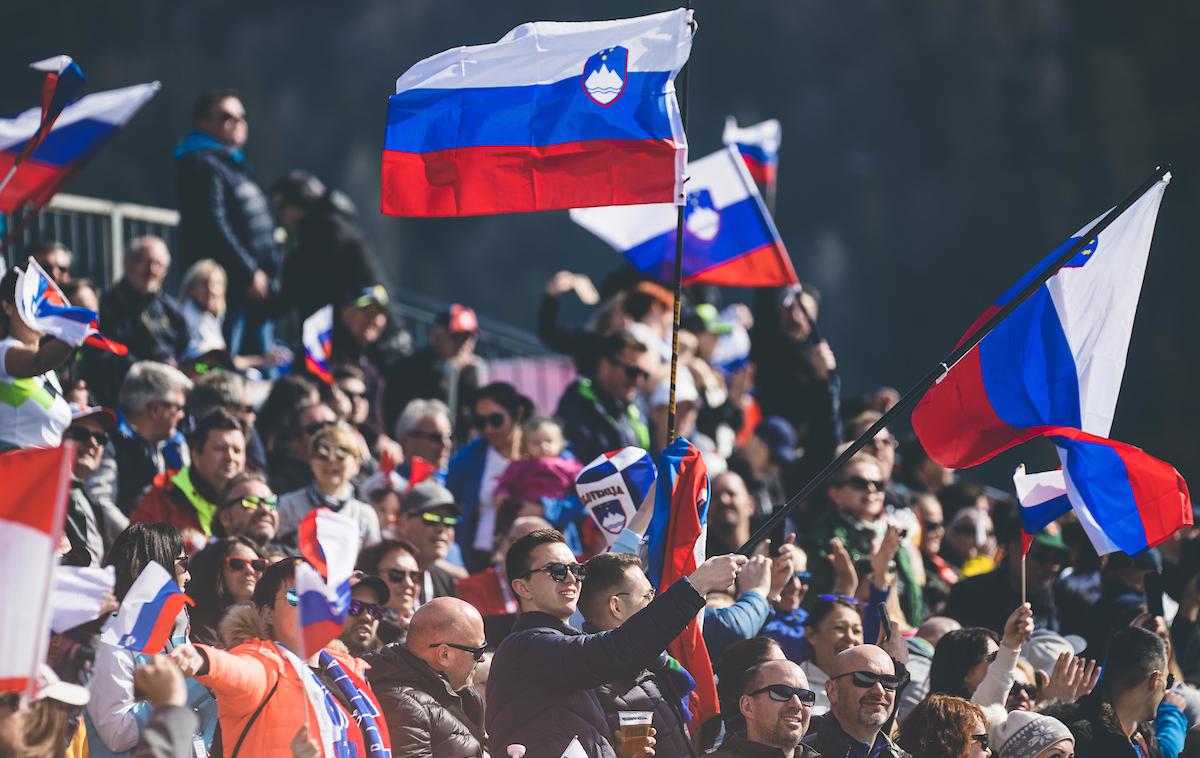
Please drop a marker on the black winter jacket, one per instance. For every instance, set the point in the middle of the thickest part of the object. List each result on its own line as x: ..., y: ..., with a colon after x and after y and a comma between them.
x: 646, y: 691
x: 828, y: 739
x: 542, y: 689
x: 1097, y: 732
x: 424, y: 716
x: 327, y: 261
x: 737, y: 746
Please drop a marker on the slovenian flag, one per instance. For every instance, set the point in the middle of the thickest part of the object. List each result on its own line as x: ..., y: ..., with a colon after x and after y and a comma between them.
x: 1057, y: 361
x: 553, y: 116
x: 147, y: 615
x: 317, y: 338
x: 759, y: 147
x: 329, y: 543
x: 729, y: 238
x: 43, y: 307
x: 613, y: 486
x: 1042, y: 497
x: 675, y: 549
x: 63, y: 79
x: 75, y: 136
x: 33, y: 506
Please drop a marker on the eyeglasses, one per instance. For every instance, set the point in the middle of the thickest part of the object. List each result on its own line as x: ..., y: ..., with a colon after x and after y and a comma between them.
x: 238, y: 564
x: 781, y: 693
x: 633, y: 372
x: 982, y: 739
x: 867, y: 679
x: 558, y: 571
x: 181, y: 563
x: 80, y: 434
x: 1029, y: 690
x: 293, y: 597
x: 475, y: 651
x: 991, y: 657
x: 648, y: 595
x: 933, y: 526
x: 435, y: 437
x: 432, y: 519
x: 862, y: 484
x: 883, y: 442
x: 254, y: 502
x: 11, y: 700
x: 373, y: 610
x: 316, y: 426
x: 397, y: 576
x: 496, y: 420
x: 331, y: 452
x: 804, y: 576
x: 837, y: 598
x: 226, y: 117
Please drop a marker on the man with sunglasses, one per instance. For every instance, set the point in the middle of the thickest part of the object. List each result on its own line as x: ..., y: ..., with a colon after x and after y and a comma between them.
x: 224, y: 215
x: 248, y: 508
x: 368, y: 600
x: 541, y: 691
x: 862, y: 693
x: 89, y: 528
x: 424, y: 685
x: 776, y: 704
x: 428, y: 516
x: 598, y: 413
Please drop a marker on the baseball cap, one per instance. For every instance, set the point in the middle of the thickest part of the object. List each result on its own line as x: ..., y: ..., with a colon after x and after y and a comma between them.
x: 705, y: 318
x: 1045, y: 646
x: 779, y: 436
x: 375, y: 584
x: 427, y: 496
x: 376, y: 294
x: 105, y: 416
x: 50, y: 687
x: 458, y: 318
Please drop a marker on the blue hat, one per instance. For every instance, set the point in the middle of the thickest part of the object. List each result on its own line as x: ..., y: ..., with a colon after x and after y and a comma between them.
x: 779, y: 437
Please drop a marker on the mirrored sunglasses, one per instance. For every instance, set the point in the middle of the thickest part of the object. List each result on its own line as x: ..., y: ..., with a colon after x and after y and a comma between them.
x: 433, y: 519
x: 253, y: 502
x: 373, y: 610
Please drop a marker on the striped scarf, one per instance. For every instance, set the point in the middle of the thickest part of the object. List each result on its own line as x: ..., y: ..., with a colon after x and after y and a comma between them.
x: 364, y: 710
x: 681, y: 682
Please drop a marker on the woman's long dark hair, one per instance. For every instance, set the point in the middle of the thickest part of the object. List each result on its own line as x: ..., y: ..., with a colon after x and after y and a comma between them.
x: 134, y: 548
x: 956, y: 654
x: 207, y: 586
x: 8, y: 294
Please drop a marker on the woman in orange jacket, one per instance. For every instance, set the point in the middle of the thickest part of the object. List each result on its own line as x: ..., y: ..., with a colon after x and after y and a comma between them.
x: 265, y: 693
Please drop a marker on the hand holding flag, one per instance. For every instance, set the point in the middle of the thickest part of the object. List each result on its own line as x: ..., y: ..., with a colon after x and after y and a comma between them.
x: 146, y: 618
x: 613, y: 486
x: 317, y: 337
x: 44, y: 308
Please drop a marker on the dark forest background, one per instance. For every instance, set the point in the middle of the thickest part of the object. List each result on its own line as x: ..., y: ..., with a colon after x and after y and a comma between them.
x: 933, y: 150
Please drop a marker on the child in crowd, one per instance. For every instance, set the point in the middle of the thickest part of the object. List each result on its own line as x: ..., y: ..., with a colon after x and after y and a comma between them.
x: 335, y: 458
x: 542, y: 483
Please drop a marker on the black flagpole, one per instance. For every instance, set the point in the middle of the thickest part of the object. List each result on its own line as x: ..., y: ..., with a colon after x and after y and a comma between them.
x: 683, y: 93
x: 945, y: 365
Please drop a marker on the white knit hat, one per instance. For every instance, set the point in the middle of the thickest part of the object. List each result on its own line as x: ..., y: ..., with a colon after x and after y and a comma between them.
x: 1025, y: 734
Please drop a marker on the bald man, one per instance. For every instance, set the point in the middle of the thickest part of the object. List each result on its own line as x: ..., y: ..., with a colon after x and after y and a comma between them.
x: 424, y: 686
x: 776, y: 704
x: 920, y: 659
x: 862, y: 691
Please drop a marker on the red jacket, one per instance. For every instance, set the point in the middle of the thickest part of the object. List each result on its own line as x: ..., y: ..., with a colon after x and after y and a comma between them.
x: 167, y: 503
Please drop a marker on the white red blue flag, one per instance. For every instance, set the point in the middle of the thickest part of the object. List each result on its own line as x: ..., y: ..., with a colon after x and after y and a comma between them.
x: 147, y: 615
x: 613, y: 486
x: 317, y: 338
x: 553, y: 116
x: 329, y: 543
x: 63, y: 79
x: 79, y: 131
x: 43, y: 306
x: 33, y: 507
x: 759, y: 147
x: 729, y: 238
x: 676, y: 539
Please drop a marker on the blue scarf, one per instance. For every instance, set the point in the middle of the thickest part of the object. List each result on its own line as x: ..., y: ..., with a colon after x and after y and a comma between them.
x: 197, y: 141
x: 364, y: 710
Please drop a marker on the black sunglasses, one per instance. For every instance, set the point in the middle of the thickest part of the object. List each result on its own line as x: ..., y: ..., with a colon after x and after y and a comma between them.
x: 489, y: 419
x: 316, y: 426
x: 1029, y: 690
x: 781, y: 693
x: 982, y: 739
x: 558, y: 571
x: 867, y: 679
x: 11, y: 700
x: 475, y: 651
x: 932, y: 526
x: 80, y: 434
x: 434, y: 437
x: 634, y: 373
x: 397, y: 576
x: 862, y: 484
x: 239, y: 564
x: 373, y: 610
x: 804, y: 576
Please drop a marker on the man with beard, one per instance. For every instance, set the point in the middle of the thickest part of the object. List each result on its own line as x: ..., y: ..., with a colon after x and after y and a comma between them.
x: 368, y: 596
x: 777, y: 705
x: 428, y: 515
x: 862, y: 691
x: 248, y: 509
x: 730, y: 513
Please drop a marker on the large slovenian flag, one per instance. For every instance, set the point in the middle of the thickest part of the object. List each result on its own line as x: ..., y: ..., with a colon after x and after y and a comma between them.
x: 329, y: 543
x: 43, y: 306
x: 33, y: 506
x: 78, y: 132
x: 729, y: 237
x: 317, y: 338
x: 675, y: 549
x: 1125, y: 499
x: 613, y: 486
x: 147, y: 615
x: 759, y: 147
x: 1057, y: 360
x: 553, y: 116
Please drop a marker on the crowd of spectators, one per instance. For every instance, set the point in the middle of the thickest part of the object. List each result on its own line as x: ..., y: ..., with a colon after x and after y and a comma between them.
x: 891, y: 614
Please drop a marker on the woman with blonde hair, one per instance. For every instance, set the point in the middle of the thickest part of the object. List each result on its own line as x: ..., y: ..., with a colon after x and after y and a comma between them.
x: 202, y: 296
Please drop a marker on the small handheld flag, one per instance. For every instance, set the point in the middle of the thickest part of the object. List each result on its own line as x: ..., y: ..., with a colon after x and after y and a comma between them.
x: 147, y: 615
x: 317, y: 337
x: 79, y: 593
x: 63, y: 80
x: 613, y: 486
x: 43, y: 307
x: 759, y: 147
x: 329, y: 543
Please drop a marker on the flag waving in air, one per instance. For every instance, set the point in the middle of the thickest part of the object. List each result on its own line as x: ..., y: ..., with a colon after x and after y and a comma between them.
x: 147, y: 615
x: 317, y: 337
x: 43, y: 307
x: 1057, y: 360
x: 75, y: 136
x: 63, y: 80
x: 613, y: 486
x: 759, y: 147
x: 553, y: 116
x: 676, y: 548
x: 728, y: 237
x: 329, y: 543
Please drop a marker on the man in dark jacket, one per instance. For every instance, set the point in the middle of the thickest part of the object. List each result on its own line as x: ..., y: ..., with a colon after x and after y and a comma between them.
x: 1116, y: 719
x: 616, y: 588
x: 424, y: 686
x: 776, y: 704
x: 862, y: 695
x: 446, y: 369
x: 541, y: 692
x: 224, y: 215
x: 599, y: 414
